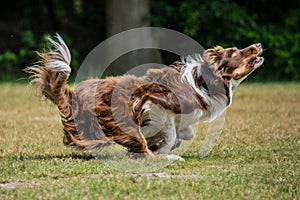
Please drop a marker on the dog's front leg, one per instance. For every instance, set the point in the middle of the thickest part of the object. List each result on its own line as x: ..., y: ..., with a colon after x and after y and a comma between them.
x: 187, y: 133
x: 169, y: 136
x: 159, y: 128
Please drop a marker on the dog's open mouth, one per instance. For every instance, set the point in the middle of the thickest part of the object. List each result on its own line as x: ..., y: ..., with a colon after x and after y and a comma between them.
x: 255, y: 62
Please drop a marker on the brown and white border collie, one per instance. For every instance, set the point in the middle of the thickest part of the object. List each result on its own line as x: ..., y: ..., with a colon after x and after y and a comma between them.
x: 148, y: 115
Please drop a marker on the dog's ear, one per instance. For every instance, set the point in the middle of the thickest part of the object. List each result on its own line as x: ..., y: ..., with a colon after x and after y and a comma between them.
x: 211, y: 56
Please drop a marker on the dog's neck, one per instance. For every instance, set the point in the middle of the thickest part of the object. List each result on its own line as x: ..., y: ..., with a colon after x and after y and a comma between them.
x: 215, y: 90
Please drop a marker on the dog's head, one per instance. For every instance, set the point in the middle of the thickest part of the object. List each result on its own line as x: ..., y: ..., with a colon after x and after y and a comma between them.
x: 232, y: 63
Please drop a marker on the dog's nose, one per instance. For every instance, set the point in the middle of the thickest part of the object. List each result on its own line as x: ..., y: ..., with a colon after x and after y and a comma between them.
x: 258, y: 45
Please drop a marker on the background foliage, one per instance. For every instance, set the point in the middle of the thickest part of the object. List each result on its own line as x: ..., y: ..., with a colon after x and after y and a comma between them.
x: 25, y: 25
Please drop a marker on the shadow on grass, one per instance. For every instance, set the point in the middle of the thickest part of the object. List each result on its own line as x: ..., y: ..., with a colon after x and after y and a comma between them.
x: 53, y: 156
x: 88, y: 157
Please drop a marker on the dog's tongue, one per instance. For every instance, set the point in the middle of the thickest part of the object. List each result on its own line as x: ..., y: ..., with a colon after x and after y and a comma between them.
x: 252, y: 62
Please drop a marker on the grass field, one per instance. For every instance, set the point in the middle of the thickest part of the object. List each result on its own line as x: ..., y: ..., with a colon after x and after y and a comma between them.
x: 257, y: 156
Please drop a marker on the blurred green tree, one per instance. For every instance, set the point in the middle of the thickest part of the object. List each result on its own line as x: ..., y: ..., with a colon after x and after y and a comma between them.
x: 24, y: 25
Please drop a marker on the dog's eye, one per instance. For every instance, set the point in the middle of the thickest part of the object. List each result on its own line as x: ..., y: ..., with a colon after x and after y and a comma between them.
x: 236, y: 53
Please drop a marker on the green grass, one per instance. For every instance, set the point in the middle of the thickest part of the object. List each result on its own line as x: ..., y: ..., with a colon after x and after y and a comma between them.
x: 257, y: 156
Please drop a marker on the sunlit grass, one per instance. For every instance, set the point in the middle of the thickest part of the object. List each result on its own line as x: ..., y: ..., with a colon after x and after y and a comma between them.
x: 257, y: 156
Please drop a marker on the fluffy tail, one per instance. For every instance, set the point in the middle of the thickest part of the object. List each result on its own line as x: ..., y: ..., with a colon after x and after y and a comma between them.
x: 52, y: 72
x: 51, y: 75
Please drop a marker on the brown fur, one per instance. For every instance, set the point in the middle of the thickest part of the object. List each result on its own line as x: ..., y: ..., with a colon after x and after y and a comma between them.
x: 104, y: 111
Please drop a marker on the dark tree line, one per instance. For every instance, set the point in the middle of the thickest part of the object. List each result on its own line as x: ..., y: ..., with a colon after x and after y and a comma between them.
x: 25, y: 26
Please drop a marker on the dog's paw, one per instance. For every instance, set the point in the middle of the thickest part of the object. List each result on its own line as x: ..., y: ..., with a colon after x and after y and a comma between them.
x: 173, y: 157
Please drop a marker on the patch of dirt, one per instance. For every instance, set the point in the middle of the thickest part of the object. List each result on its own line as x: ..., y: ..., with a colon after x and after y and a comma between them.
x: 165, y: 175
x: 35, y: 183
x: 13, y: 185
